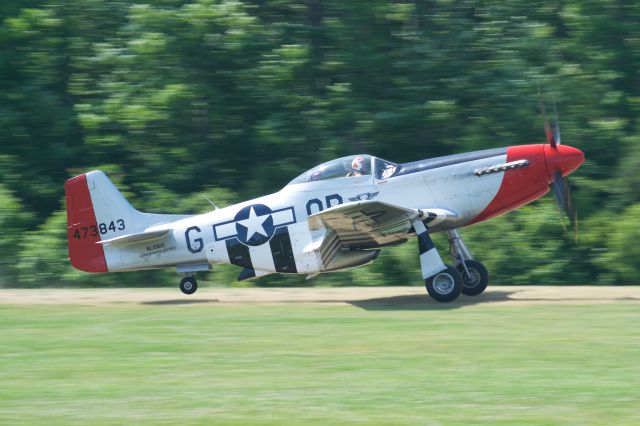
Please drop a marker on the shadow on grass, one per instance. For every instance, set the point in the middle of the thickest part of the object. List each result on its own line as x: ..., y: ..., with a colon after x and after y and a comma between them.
x: 180, y: 302
x: 422, y: 302
x: 394, y: 303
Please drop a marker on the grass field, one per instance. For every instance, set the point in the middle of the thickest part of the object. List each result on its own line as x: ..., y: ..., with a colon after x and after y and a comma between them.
x: 376, y: 362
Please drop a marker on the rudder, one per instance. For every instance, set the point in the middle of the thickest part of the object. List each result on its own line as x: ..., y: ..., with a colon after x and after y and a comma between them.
x: 96, y: 210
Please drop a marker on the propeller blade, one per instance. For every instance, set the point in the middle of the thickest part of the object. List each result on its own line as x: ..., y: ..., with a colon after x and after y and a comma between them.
x: 562, y: 192
x: 560, y: 185
x: 556, y: 127
x: 552, y: 136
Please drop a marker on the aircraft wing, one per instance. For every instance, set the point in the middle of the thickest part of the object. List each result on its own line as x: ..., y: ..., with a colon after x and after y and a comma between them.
x: 365, y: 224
x: 369, y: 225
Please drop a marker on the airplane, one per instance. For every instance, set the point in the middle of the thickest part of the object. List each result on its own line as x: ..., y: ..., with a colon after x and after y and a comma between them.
x: 337, y: 215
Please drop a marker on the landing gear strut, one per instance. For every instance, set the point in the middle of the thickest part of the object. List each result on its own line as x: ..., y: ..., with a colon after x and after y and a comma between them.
x: 475, y: 276
x: 443, y: 282
x: 189, y: 285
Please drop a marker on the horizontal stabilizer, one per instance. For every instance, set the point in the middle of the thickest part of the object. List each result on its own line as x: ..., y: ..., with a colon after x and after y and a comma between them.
x: 137, y: 237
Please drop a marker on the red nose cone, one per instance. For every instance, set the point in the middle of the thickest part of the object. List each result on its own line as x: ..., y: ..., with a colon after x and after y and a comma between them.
x: 562, y: 158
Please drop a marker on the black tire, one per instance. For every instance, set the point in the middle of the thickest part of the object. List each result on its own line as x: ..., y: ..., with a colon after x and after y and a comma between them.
x: 477, y: 283
x: 188, y: 285
x: 445, y: 286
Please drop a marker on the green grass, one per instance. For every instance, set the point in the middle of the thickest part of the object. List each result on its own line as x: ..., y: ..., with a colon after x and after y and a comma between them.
x: 299, y: 364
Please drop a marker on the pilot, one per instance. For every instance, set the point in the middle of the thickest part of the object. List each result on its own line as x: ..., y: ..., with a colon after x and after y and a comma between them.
x: 357, y: 166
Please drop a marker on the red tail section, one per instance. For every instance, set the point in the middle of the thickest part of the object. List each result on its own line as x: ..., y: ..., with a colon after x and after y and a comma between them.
x: 83, y: 234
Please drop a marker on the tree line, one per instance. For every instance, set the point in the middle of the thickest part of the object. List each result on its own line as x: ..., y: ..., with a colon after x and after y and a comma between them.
x: 232, y: 99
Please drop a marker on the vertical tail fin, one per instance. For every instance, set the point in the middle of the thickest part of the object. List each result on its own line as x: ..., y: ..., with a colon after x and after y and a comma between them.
x: 96, y: 210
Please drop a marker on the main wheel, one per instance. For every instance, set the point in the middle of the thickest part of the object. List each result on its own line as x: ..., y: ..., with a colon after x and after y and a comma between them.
x: 445, y: 286
x: 478, y: 278
x: 189, y: 285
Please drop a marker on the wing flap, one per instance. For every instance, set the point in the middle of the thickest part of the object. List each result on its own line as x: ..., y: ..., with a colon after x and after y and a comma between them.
x: 365, y: 225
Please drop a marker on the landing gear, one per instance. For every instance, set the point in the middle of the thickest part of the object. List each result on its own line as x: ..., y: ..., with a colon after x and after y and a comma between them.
x: 445, y: 286
x: 443, y: 282
x: 189, y: 285
x: 475, y: 276
x: 474, y: 279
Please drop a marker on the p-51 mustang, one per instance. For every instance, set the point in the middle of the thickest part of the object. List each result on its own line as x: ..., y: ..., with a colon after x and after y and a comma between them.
x: 337, y: 215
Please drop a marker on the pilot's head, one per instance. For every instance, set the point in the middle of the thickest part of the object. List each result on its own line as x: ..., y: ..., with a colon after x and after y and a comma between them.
x: 358, y: 164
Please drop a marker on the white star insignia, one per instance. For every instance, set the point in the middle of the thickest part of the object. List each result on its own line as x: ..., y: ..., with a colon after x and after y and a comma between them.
x: 254, y: 223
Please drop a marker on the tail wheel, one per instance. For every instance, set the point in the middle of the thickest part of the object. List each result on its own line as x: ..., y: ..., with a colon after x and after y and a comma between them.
x: 189, y: 285
x: 445, y: 286
x: 477, y: 280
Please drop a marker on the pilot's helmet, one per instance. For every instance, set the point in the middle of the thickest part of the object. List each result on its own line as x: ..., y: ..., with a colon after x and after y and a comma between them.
x: 358, y: 164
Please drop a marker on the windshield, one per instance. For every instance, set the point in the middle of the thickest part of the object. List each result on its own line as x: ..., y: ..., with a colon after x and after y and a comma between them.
x: 385, y: 169
x: 353, y: 165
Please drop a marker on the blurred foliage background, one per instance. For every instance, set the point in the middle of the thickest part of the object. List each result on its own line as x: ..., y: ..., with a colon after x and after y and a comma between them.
x: 233, y: 99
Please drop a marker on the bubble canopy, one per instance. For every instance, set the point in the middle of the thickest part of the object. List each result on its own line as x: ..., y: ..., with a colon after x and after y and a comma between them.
x: 349, y: 166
